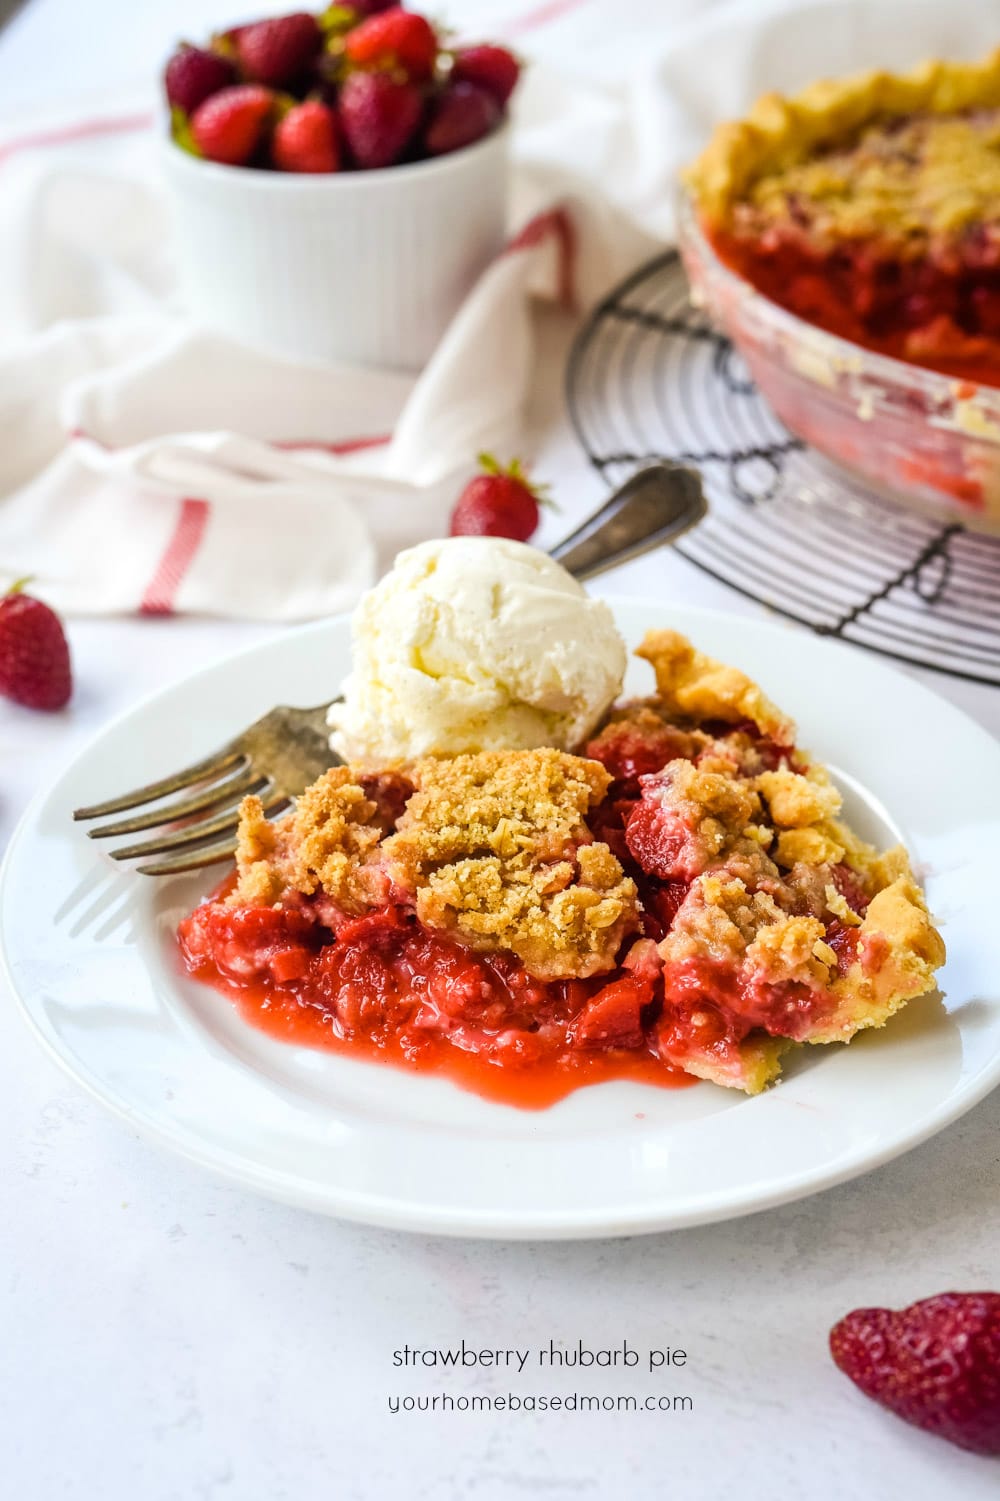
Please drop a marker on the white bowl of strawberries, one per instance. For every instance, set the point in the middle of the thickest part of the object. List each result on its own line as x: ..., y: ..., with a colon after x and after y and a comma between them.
x: 339, y: 180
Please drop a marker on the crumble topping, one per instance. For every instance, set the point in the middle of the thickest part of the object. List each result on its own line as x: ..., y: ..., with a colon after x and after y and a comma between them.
x: 797, y: 799
x: 692, y: 685
x: 496, y: 850
x: 903, y: 949
x: 323, y: 845
x: 779, y: 134
x: 758, y: 919
x: 870, y: 207
x: 910, y: 183
x: 260, y: 882
x: 810, y: 846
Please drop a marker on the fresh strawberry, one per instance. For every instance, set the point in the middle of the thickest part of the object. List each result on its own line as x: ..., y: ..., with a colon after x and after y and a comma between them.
x: 34, y: 655
x: 613, y: 1017
x: 305, y: 140
x: 278, y: 51
x: 935, y: 1364
x: 497, y: 503
x: 379, y: 117
x: 193, y: 74
x: 230, y: 125
x: 395, y: 38
x: 491, y: 68
x: 463, y: 113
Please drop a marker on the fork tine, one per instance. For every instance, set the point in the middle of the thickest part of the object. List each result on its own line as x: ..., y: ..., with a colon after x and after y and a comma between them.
x: 215, y: 796
x: 212, y: 854
x: 213, y: 766
x: 188, y: 838
x: 207, y: 854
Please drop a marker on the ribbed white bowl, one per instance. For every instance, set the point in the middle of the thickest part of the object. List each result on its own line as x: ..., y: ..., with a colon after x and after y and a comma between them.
x: 365, y: 267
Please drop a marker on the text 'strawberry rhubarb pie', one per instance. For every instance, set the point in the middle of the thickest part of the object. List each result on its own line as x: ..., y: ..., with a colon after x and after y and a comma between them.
x: 677, y: 898
x: 871, y: 207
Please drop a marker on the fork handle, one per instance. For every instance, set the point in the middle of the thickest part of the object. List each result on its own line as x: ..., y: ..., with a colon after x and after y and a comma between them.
x: 655, y: 506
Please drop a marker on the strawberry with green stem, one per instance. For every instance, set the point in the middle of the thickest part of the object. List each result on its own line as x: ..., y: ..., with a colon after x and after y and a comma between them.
x: 396, y: 40
x: 278, y: 51
x: 500, y: 502
x: 230, y: 125
x: 306, y: 139
x: 35, y: 665
x: 193, y: 74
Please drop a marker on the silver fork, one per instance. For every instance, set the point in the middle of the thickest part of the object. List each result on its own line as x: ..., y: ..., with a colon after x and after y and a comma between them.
x: 281, y: 753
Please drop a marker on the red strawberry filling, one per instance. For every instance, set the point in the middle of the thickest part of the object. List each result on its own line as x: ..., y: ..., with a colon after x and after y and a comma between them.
x: 735, y: 1002
x: 386, y: 987
x: 629, y: 755
x: 659, y: 842
x: 935, y: 310
x: 390, y: 989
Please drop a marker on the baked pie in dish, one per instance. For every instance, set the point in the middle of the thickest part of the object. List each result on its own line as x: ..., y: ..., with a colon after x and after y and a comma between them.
x: 870, y: 206
x: 678, y: 900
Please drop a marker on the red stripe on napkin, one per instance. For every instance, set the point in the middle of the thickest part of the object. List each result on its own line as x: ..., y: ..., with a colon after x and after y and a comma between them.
x: 541, y: 16
x: 161, y: 591
x: 555, y: 222
x: 342, y: 446
x: 63, y: 135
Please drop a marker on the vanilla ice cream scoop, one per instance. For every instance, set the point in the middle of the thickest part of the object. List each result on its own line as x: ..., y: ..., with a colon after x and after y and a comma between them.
x: 475, y: 643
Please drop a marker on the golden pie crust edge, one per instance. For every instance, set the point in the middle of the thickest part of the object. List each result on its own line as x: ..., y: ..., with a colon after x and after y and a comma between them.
x: 780, y: 131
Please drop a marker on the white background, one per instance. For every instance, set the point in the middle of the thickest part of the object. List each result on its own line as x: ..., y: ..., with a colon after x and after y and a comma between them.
x: 166, y: 1338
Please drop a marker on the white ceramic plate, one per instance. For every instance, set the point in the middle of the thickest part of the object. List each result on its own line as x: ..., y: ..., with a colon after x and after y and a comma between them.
x: 90, y: 953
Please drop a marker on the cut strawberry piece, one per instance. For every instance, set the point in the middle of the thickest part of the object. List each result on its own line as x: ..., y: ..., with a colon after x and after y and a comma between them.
x: 630, y: 753
x: 843, y: 938
x: 848, y: 883
x: 291, y: 964
x: 613, y: 1017
x: 662, y: 904
x: 657, y: 839
x: 383, y: 929
x: 244, y: 941
x: 935, y: 1364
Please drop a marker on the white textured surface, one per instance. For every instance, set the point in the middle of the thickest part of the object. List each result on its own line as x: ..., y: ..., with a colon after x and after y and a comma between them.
x: 167, y: 1339
x: 366, y: 267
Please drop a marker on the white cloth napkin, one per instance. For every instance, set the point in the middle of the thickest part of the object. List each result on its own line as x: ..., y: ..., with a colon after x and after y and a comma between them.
x: 147, y: 465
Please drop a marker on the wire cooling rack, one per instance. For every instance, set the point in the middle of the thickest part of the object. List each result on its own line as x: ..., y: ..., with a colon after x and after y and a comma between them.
x: 649, y: 378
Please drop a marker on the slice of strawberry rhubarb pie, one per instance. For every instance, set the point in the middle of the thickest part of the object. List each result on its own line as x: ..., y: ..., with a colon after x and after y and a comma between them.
x: 679, y: 898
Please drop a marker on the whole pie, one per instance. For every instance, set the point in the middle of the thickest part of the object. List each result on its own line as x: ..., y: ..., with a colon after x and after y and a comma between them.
x: 679, y: 900
x: 871, y: 207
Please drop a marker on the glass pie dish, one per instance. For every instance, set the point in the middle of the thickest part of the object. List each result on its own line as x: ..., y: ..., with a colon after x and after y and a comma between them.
x: 923, y: 438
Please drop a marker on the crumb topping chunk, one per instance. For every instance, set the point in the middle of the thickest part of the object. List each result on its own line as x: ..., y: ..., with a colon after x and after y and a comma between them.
x: 496, y: 850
